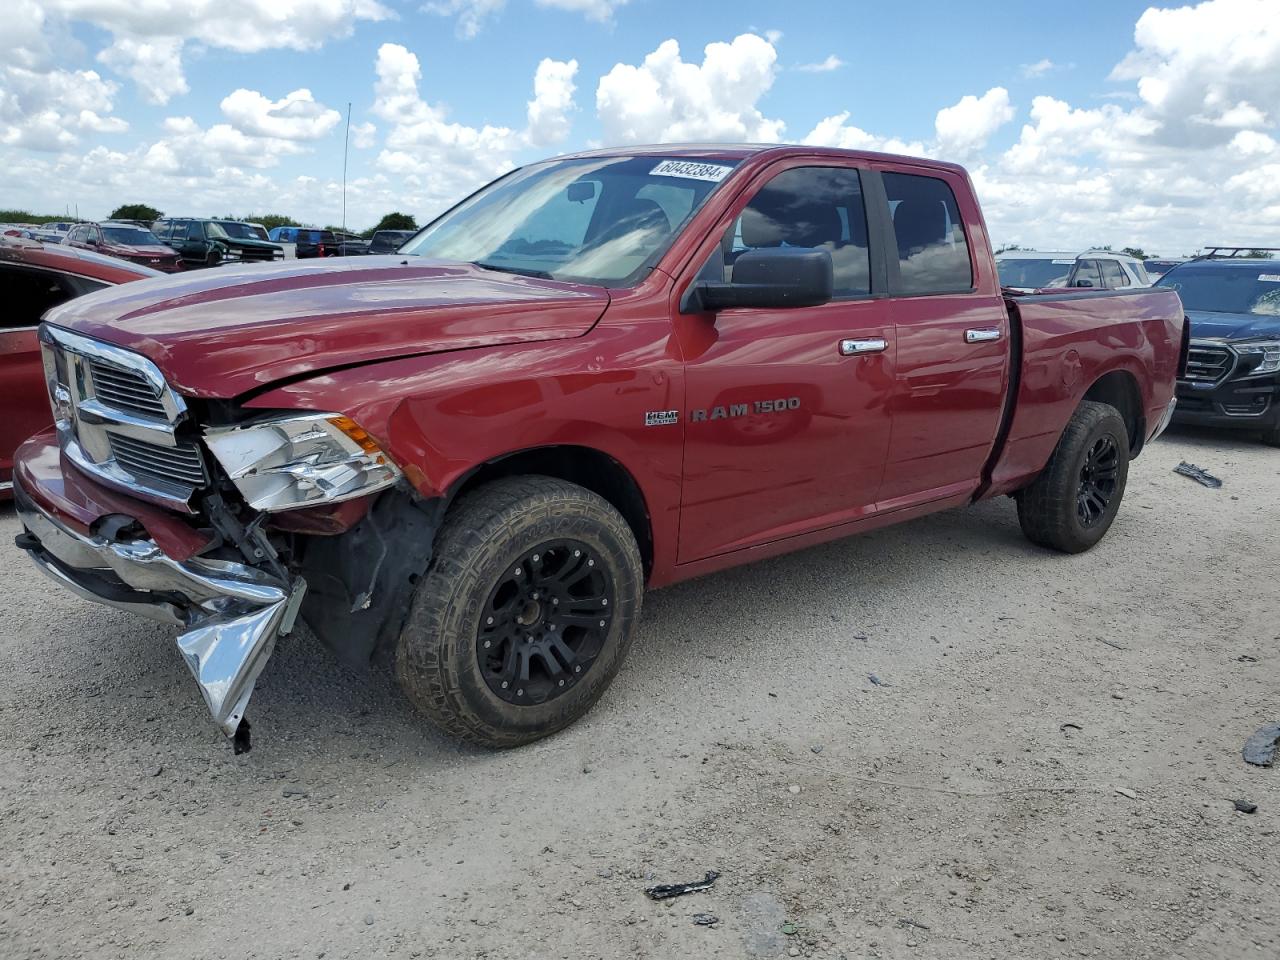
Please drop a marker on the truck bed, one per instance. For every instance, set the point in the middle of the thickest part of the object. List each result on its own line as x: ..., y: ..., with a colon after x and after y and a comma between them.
x: 1116, y: 346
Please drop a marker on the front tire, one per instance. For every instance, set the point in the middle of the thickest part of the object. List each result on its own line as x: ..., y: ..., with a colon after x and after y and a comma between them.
x: 526, y: 614
x: 1073, y: 502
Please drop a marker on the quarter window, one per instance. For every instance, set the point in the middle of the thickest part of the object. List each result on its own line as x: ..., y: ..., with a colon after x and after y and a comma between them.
x: 817, y: 207
x: 933, y: 255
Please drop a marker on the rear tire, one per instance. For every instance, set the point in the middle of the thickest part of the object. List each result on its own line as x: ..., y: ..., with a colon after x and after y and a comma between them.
x: 526, y: 614
x: 1073, y: 502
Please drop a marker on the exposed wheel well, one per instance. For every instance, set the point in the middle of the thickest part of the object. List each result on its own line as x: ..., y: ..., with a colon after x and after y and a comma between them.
x: 589, y: 468
x: 1119, y: 388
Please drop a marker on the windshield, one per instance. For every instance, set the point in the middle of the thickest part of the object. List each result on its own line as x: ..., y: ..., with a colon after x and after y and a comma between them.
x: 130, y: 236
x: 232, y: 230
x: 600, y: 220
x: 1026, y: 272
x: 1220, y: 289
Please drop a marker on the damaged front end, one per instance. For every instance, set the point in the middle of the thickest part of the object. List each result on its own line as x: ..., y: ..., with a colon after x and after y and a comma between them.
x: 214, y: 518
x: 230, y: 613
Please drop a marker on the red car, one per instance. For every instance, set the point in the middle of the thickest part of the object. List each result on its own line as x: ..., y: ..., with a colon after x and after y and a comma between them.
x: 34, y: 277
x: 599, y: 374
x: 128, y: 241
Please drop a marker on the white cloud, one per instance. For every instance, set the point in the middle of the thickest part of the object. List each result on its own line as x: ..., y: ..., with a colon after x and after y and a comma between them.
x: 471, y: 14
x: 1249, y: 143
x: 49, y: 109
x: 363, y: 135
x: 598, y: 10
x: 1037, y: 69
x: 548, y: 111
x: 439, y: 160
x: 295, y: 116
x: 836, y: 131
x: 1205, y: 70
x: 832, y: 62
x: 149, y: 36
x: 667, y: 99
x: 965, y: 127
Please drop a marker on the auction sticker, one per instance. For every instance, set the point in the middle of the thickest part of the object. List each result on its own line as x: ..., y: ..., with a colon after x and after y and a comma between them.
x: 1062, y: 261
x: 1270, y: 277
x: 691, y: 170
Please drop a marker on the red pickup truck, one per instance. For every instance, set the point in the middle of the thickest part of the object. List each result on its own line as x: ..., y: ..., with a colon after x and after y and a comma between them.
x: 598, y: 374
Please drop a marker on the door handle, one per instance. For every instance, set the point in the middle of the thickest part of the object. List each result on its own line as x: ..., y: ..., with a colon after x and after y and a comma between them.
x: 852, y: 348
x: 982, y: 335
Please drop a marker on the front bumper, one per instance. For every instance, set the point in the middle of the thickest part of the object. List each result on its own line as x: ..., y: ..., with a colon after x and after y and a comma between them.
x: 1247, y: 403
x: 229, y: 614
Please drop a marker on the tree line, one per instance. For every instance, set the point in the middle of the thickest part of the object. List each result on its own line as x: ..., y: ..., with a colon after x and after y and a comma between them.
x: 141, y: 211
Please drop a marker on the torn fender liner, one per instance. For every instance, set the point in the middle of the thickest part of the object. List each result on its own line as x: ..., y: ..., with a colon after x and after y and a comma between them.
x: 226, y: 653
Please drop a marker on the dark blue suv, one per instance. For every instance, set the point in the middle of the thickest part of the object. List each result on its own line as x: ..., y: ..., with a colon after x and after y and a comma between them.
x: 1232, y: 377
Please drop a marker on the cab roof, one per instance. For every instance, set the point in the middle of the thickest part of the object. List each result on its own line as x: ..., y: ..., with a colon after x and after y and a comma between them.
x: 737, y: 152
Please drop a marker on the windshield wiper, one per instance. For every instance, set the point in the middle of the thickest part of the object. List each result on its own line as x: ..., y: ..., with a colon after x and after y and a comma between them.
x: 519, y: 271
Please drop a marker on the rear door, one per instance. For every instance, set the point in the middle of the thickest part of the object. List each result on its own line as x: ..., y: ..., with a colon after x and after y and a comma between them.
x: 785, y: 408
x: 951, y: 331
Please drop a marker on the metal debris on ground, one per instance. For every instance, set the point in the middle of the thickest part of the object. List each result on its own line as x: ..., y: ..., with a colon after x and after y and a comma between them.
x: 1244, y: 806
x: 876, y: 681
x: 908, y: 922
x: 705, y: 919
x: 665, y: 891
x: 1126, y: 792
x: 1260, y: 749
x: 1198, y: 474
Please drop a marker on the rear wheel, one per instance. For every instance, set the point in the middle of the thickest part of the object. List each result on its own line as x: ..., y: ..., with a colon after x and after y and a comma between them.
x: 526, y: 614
x: 1073, y: 502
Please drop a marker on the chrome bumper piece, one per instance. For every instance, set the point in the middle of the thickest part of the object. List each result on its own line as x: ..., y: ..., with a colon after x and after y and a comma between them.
x: 1165, y: 420
x: 230, y: 613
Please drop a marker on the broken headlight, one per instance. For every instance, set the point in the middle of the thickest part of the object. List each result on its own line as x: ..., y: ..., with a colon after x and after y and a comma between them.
x: 1266, y: 352
x: 301, y: 461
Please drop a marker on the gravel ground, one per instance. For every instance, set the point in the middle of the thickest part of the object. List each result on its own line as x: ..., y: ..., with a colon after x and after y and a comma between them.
x: 965, y: 806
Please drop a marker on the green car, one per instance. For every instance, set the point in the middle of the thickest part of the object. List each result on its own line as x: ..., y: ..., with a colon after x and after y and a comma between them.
x: 208, y: 243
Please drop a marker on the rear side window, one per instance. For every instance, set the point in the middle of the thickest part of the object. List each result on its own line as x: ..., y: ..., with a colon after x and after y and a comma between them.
x: 817, y: 207
x: 933, y: 255
x: 1114, y: 275
x: 1088, y: 274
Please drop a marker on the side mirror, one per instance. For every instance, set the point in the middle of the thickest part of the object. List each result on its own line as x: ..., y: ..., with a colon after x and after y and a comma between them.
x: 771, y: 277
x: 1083, y: 283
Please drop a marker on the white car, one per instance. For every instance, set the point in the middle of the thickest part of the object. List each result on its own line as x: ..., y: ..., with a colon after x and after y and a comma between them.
x: 1028, y: 270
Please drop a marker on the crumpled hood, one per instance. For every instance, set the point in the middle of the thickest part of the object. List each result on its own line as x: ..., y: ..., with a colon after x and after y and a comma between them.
x: 1207, y: 324
x: 222, y: 332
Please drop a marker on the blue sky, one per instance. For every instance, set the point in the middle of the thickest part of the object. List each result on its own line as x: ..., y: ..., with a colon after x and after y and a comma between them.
x: 1077, y: 125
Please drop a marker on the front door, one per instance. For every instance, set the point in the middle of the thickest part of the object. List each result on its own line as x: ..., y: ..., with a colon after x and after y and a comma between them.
x: 786, y: 409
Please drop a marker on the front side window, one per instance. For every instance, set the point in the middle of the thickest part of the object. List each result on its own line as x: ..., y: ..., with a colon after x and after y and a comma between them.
x: 816, y: 207
x: 28, y: 293
x: 602, y: 220
x: 231, y: 228
x: 933, y: 255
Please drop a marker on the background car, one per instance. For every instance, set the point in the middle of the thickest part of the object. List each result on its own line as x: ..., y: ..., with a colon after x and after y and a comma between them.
x: 1097, y: 269
x: 123, y: 239
x: 34, y: 277
x: 1158, y: 268
x: 1232, y: 375
x: 309, y: 241
x: 388, y: 241
x: 208, y: 243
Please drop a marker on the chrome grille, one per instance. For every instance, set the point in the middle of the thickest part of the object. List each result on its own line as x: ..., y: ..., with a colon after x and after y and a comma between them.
x: 1208, y: 364
x: 119, y: 421
x: 126, y: 390
x: 181, y: 465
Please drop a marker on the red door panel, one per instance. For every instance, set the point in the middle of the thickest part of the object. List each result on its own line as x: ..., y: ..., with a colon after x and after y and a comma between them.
x: 784, y: 434
x: 23, y: 397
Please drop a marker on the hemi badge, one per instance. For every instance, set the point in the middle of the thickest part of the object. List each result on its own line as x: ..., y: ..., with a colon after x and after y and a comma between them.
x: 661, y: 418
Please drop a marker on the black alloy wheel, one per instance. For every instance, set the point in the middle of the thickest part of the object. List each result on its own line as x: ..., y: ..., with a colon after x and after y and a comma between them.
x: 1098, y: 480
x: 545, y: 622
